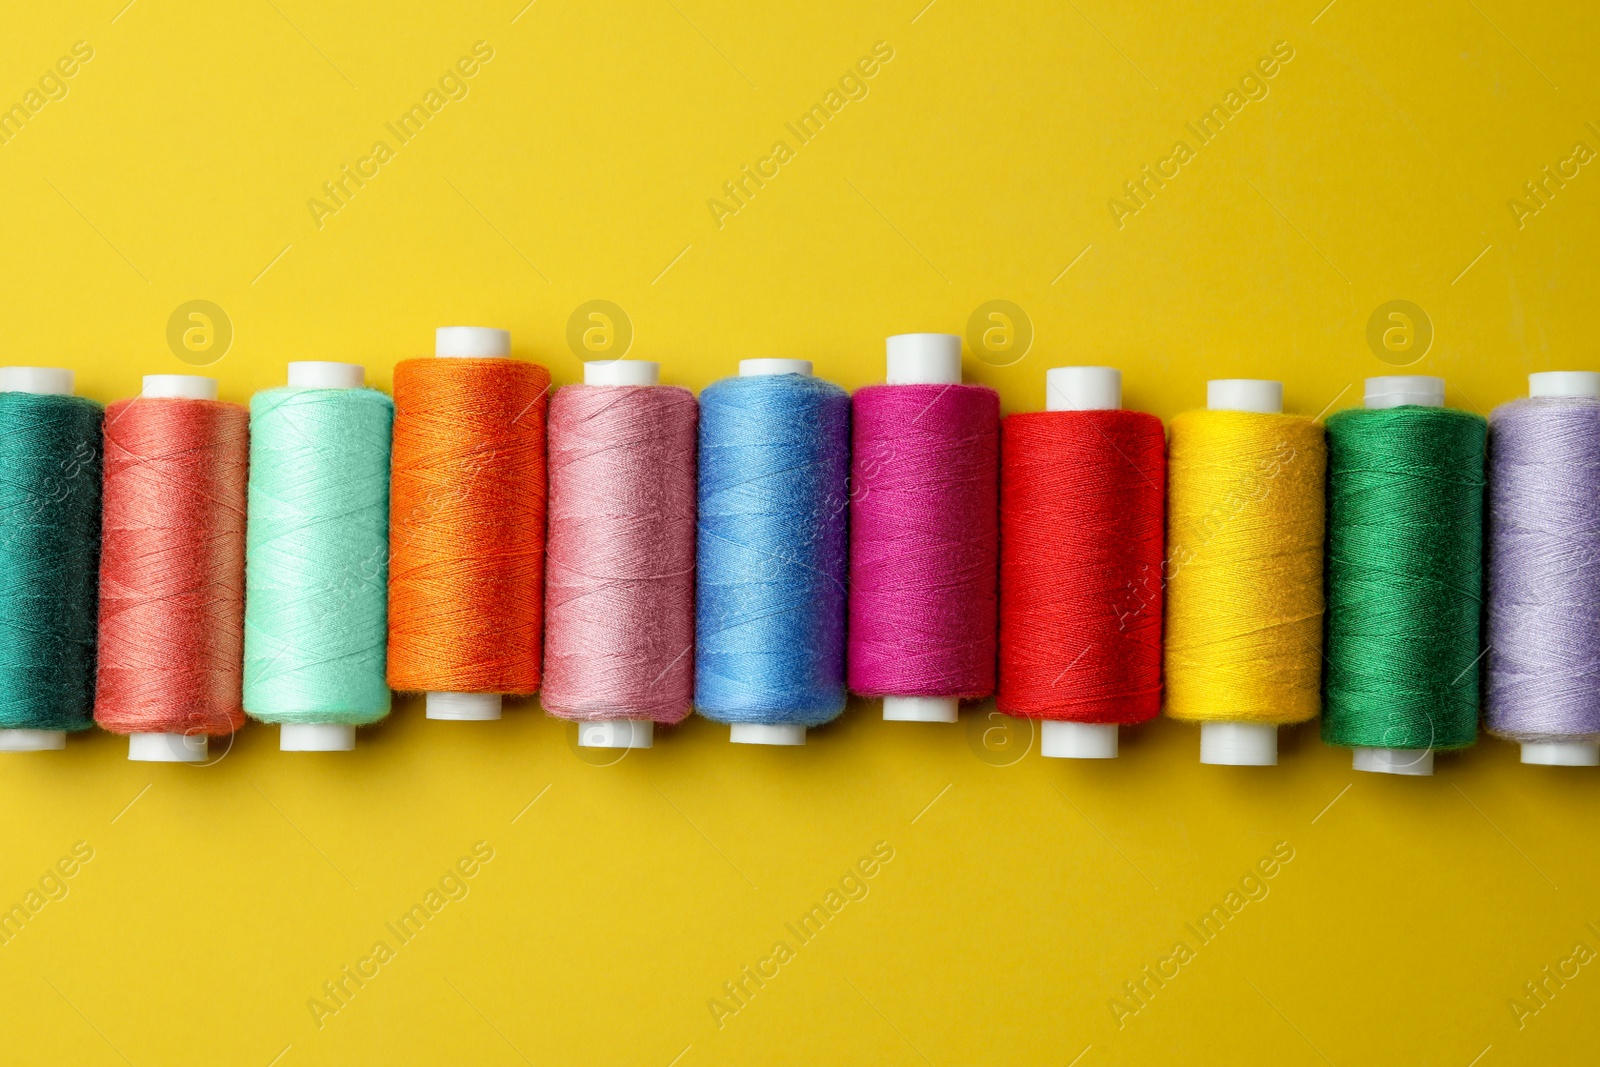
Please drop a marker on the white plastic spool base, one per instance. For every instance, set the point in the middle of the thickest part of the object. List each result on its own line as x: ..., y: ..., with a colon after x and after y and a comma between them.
x: 316, y: 737
x: 1082, y: 389
x: 471, y: 342
x: 1260, y: 395
x: 1562, y: 753
x: 1413, y: 761
x: 1546, y: 383
x: 923, y: 359
x: 464, y: 707
x: 1239, y: 744
x: 921, y: 709
x: 617, y: 733
x: 179, y: 387
x: 622, y: 372
x: 168, y: 748
x: 32, y: 740
x: 756, y: 368
x: 42, y: 381
x: 1077, y: 740
x: 756, y: 733
x: 322, y: 374
x: 1399, y: 390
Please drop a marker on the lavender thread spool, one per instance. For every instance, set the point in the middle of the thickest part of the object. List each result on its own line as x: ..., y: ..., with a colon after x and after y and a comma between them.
x: 1543, y: 679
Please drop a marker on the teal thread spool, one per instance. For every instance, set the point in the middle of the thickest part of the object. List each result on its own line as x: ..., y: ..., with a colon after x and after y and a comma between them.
x: 317, y: 557
x: 1404, y: 576
x: 49, y: 548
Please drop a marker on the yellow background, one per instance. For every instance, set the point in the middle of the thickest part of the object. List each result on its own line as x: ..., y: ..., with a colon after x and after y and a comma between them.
x: 1023, y: 892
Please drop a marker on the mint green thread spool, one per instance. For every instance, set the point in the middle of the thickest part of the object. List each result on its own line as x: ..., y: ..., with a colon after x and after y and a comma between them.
x: 317, y: 557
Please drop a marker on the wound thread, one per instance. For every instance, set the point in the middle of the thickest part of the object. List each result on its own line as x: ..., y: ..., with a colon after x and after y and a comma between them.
x: 1543, y: 597
x: 619, y: 590
x: 771, y: 550
x: 171, y: 634
x: 316, y: 620
x: 466, y: 533
x: 49, y: 552
x: 1245, y: 526
x: 924, y: 540
x: 1082, y: 517
x: 1405, y: 571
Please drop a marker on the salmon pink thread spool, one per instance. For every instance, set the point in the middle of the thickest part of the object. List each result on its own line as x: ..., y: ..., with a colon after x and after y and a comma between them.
x: 172, y: 569
x: 619, y: 585
x: 924, y: 533
x: 466, y: 529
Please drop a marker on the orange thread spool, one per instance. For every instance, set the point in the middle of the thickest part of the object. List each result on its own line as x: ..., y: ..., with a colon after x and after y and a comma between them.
x: 466, y: 535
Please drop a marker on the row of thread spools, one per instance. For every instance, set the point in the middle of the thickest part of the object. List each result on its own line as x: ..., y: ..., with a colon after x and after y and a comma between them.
x: 174, y: 563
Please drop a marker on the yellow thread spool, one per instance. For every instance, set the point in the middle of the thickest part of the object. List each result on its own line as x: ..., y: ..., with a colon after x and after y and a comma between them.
x: 1245, y: 525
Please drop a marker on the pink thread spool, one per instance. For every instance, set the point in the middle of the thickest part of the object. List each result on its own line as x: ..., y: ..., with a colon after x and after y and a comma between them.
x: 619, y: 584
x: 924, y: 534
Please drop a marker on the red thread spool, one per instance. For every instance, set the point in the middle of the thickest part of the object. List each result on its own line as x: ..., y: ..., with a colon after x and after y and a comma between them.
x: 171, y: 641
x: 1082, y: 508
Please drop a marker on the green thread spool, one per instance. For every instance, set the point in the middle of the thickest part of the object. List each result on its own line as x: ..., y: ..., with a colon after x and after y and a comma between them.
x: 49, y: 555
x: 1405, y: 576
x: 317, y: 557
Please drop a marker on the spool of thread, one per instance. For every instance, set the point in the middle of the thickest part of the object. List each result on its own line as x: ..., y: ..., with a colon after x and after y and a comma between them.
x: 1405, y: 572
x: 771, y: 551
x: 1082, y: 516
x: 619, y: 586
x: 924, y: 533
x: 172, y: 569
x: 466, y: 529
x: 317, y: 555
x: 49, y: 553
x: 1244, y: 570
x: 1542, y: 685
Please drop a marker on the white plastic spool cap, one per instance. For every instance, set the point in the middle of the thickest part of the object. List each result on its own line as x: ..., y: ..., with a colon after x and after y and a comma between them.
x: 316, y: 737
x: 471, y: 342
x: 1241, y: 744
x: 923, y: 359
x: 622, y: 372
x: 42, y: 381
x: 1562, y: 753
x: 32, y: 740
x: 179, y: 387
x: 1416, y: 390
x: 1413, y: 761
x: 1078, y: 740
x: 617, y: 733
x: 468, y: 342
x: 321, y: 374
x: 921, y: 709
x: 756, y: 368
x: 167, y: 748
x: 758, y: 733
x: 1557, y: 383
x: 464, y: 707
x: 1082, y: 389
